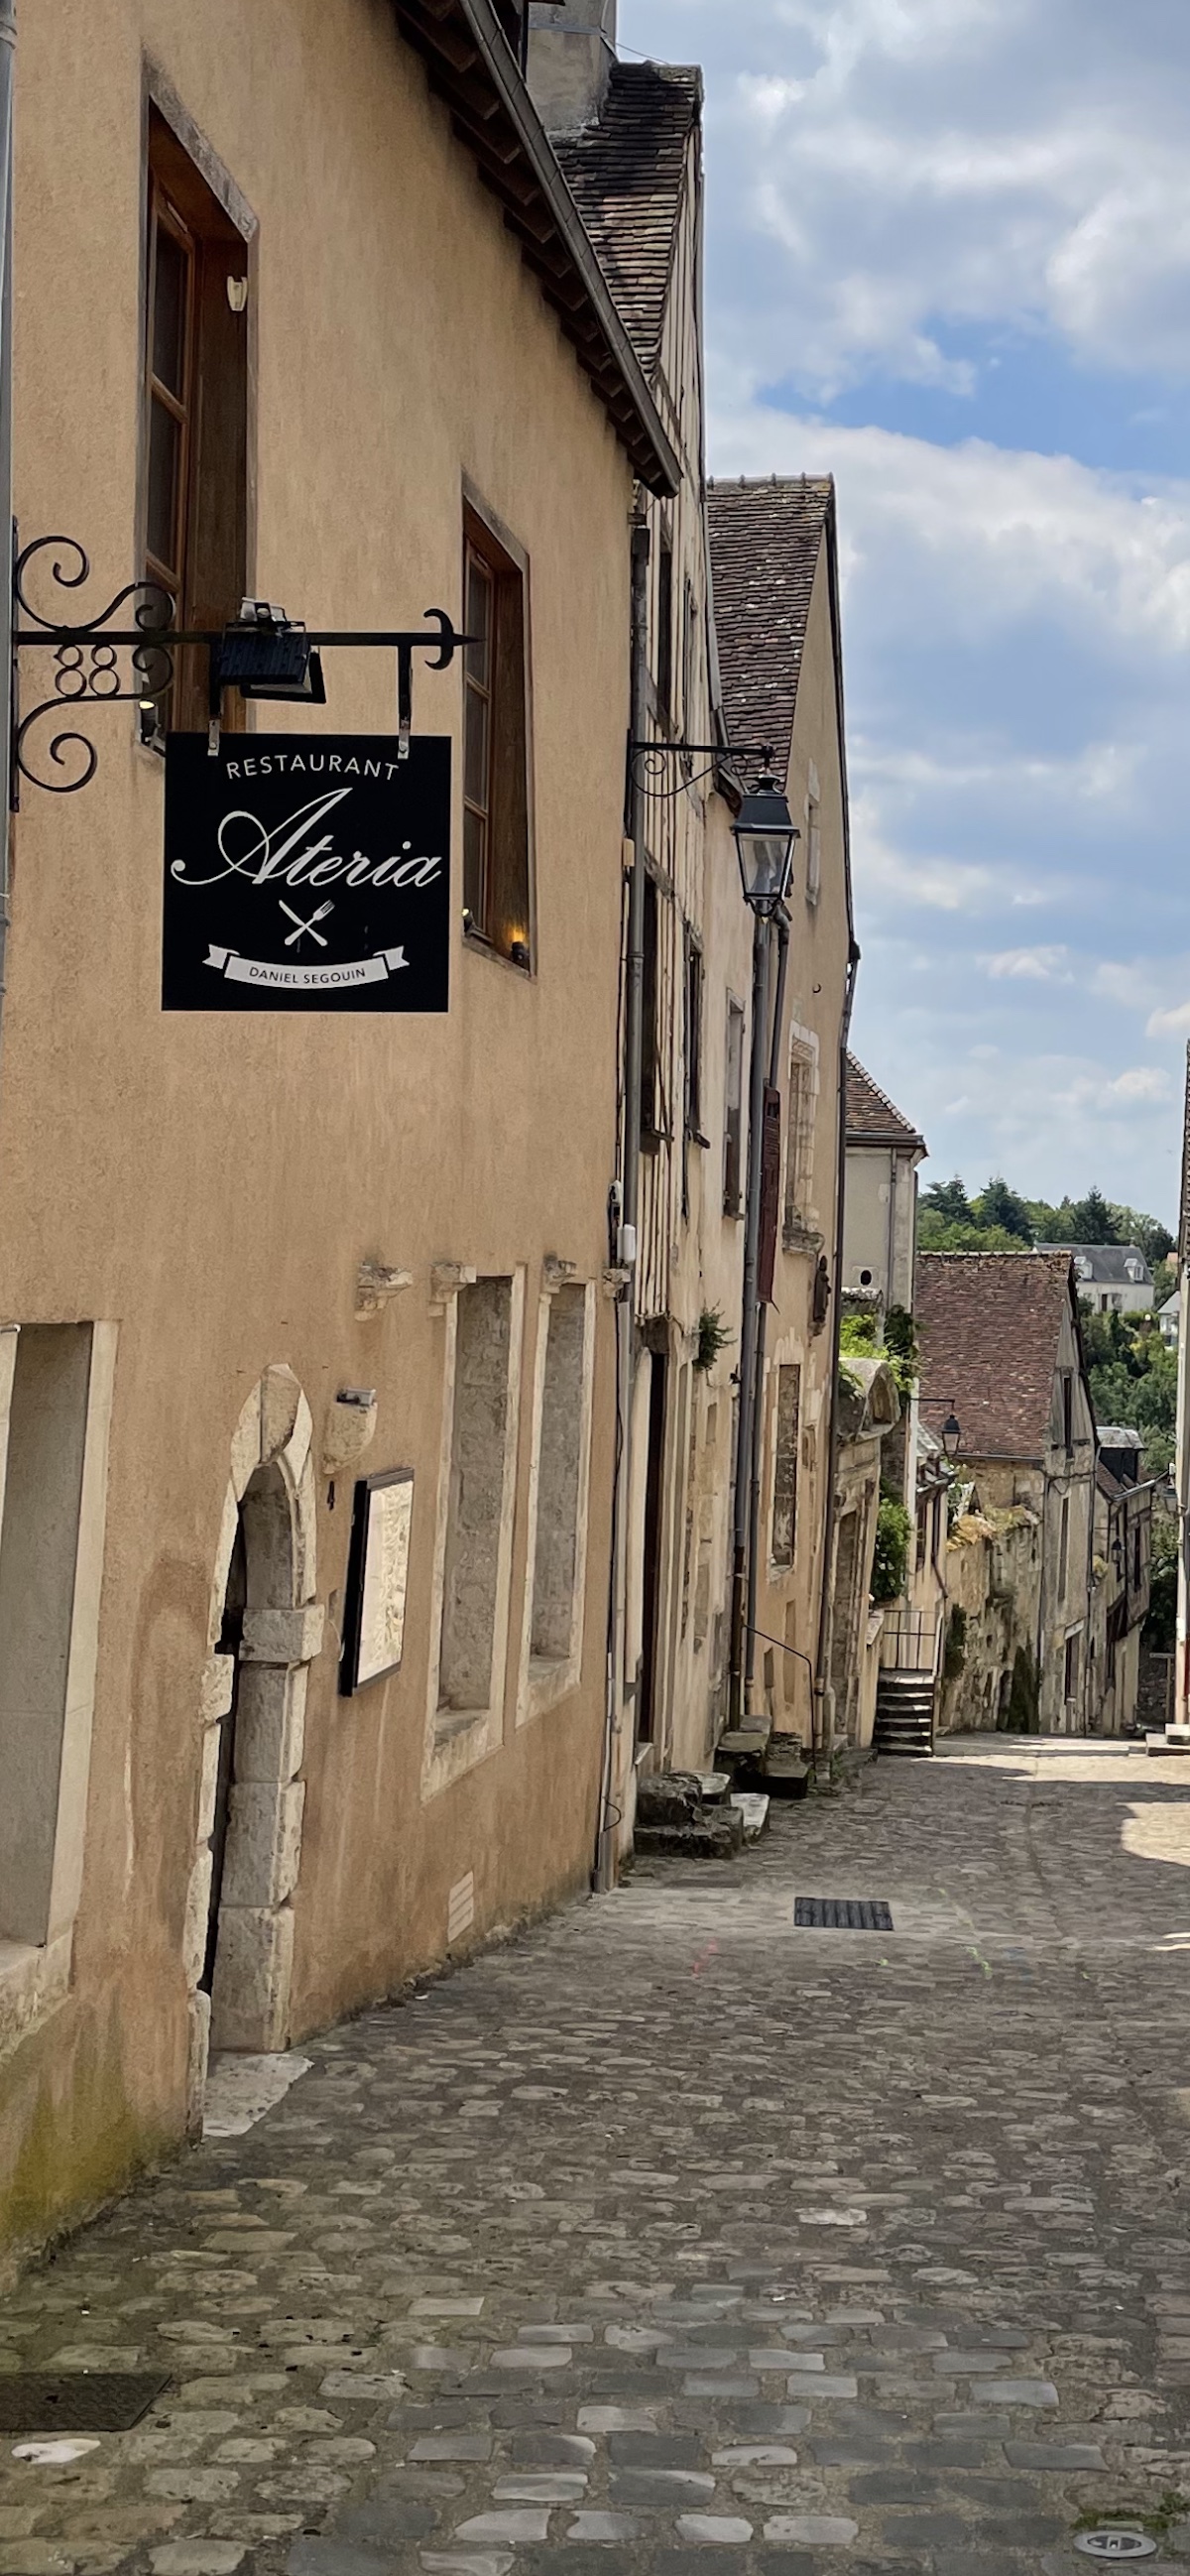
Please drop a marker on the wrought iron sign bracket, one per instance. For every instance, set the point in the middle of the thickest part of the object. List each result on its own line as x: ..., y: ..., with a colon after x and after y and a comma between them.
x: 99, y: 662
x: 653, y: 754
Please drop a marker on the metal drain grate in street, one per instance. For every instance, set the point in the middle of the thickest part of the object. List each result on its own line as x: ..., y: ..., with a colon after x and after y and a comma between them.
x: 80, y: 2401
x: 841, y: 1914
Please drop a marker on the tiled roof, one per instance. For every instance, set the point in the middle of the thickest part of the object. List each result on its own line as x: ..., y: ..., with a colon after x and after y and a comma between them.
x: 626, y: 176
x: 469, y: 62
x: 765, y: 542
x: 871, y: 1116
x: 988, y: 1324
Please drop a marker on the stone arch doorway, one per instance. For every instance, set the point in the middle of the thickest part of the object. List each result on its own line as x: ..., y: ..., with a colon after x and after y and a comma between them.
x: 264, y: 1631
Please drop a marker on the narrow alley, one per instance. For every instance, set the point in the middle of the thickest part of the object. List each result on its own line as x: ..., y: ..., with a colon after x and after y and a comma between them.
x: 672, y: 2237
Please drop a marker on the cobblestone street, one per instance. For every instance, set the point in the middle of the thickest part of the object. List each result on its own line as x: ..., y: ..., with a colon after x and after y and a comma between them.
x: 669, y: 2237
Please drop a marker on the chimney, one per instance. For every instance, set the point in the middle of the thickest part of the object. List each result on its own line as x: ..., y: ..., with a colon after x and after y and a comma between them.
x: 572, y: 46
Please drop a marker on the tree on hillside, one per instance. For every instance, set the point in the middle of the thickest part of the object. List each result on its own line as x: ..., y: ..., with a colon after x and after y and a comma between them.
x: 948, y: 1200
x: 1092, y: 1221
x: 1146, y: 1232
x: 1133, y: 1379
x: 997, y: 1205
x: 934, y: 1234
x: 1109, y: 1342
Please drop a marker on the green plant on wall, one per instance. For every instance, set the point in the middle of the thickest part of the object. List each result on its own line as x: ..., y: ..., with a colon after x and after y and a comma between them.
x: 1021, y: 1713
x: 954, y: 1654
x: 861, y: 1335
x: 900, y: 1342
x: 891, y: 1557
x: 713, y: 1337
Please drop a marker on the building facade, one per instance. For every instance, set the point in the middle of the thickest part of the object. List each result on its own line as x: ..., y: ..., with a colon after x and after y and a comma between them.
x: 880, y: 1223
x: 1001, y: 1345
x: 251, y: 1258
x: 1114, y: 1278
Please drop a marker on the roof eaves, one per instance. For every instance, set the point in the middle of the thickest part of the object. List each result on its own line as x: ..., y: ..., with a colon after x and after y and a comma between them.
x: 469, y: 63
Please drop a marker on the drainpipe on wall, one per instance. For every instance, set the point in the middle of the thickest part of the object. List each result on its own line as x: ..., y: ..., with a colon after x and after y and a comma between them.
x: 605, y: 1855
x: 819, y: 1747
x: 762, y: 1316
x: 748, y: 1319
x: 8, y: 45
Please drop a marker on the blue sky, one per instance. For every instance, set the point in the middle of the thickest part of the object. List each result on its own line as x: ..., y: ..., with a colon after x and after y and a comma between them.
x: 948, y: 260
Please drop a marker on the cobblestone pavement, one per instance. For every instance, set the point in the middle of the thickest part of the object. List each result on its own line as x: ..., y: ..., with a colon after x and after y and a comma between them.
x: 671, y: 2238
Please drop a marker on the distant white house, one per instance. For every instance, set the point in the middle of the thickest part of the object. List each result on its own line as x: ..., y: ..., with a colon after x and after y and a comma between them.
x: 1114, y: 1278
x: 880, y: 1208
x: 1168, y: 1319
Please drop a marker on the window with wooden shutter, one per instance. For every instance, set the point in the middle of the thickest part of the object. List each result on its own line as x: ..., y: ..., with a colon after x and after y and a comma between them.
x: 496, y: 881
x: 665, y: 625
x: 799, y: 1164
x: 195, y: 473
x: 651, y: 1120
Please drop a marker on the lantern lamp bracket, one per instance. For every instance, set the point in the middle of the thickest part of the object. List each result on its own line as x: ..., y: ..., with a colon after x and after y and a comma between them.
x: 647, y: 762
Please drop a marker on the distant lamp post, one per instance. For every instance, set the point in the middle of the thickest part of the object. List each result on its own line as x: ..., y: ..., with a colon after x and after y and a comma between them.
x: 1117, y: 1553
x: 764, y: 835
x: 952, y: 1435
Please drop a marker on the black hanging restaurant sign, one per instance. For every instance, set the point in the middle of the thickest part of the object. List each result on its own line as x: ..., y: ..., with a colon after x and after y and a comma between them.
x: 306, y: 872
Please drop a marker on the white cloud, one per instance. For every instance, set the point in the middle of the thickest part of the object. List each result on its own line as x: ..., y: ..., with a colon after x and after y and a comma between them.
x: 917, y: 190
x: 993, y: 535
x: 1172, y: 1023
x: 899, y: 168
x: 1029, y: 965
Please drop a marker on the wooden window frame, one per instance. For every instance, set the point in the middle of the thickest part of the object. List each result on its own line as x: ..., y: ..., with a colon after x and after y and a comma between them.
x: 665, y: 625
x: 652, y: 1125
x: 164, y: 216
x: 504, y: 927
x: 733, y: 1113
x: 211, y: 526
x: 694, y: 996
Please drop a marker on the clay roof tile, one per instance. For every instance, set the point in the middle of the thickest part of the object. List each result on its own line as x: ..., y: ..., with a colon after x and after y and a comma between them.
x: 989, y: 1326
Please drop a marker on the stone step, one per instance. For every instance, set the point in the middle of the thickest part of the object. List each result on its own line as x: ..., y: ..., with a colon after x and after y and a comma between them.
x: 744, y: 1743
x: 753, y: 1810
x: 721, y: 1837
x: 786, y: 1770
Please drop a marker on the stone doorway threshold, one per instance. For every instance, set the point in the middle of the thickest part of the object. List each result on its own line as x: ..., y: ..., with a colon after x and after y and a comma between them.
x: 240, y: 2089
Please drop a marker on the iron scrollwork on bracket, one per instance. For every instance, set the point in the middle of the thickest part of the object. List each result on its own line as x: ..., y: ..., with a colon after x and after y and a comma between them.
x: 89, y: 669
x: 87, y: 661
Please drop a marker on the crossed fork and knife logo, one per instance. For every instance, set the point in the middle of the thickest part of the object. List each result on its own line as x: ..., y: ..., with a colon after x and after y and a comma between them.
x: 295, y: 937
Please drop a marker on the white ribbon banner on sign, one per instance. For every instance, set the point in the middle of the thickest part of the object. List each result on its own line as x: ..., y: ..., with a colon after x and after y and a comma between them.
x: 306, y: 979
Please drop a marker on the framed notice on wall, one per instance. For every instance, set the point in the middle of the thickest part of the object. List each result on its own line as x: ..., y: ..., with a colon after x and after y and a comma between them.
x: 306, y: 872
x: 377, y: 1579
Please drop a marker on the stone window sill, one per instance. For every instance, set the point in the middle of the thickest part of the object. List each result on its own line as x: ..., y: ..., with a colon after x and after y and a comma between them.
x: 451, y: 1723
x: 33, y: 1983
x: 551, y: 1678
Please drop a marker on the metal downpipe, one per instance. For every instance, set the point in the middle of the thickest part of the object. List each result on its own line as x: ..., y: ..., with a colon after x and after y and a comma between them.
x: 774, y: 1074
x: 605, y: 1853
x: 819, y: 1748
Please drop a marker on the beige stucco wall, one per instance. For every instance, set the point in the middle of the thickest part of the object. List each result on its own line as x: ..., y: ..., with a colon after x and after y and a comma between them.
x: 211, y: 1186
x: 788, y: 1601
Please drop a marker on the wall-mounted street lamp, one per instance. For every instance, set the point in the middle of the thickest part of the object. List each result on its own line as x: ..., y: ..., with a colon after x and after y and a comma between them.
x: 951, y: 1433
x: 764, y: 836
